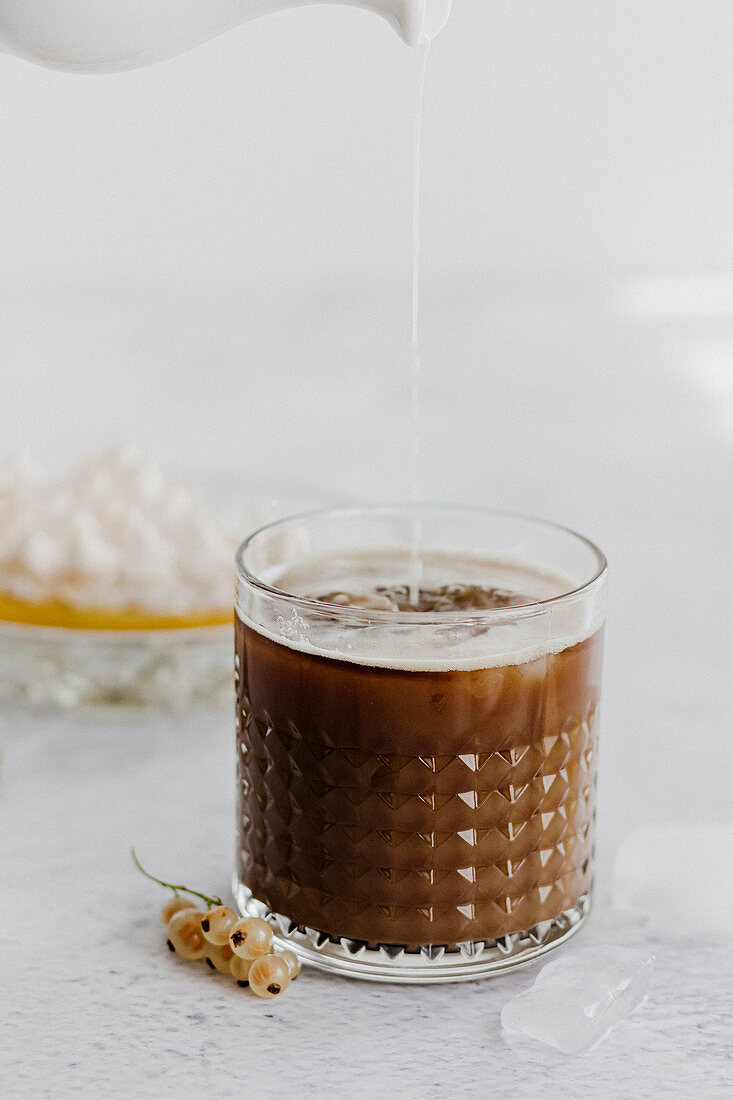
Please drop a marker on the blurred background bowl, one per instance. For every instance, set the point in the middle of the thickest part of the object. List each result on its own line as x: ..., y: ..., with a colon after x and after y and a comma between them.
x: 149, y: 669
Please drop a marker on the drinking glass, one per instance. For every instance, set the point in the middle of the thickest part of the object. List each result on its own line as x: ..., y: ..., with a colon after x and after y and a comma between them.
x: 416, y: 790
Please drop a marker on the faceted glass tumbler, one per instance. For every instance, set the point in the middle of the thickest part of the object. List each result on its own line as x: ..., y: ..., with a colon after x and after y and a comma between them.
x: 416, y: 790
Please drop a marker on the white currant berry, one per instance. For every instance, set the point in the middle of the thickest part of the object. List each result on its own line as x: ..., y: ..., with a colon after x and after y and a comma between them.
x: 219, y: 957
x: 217, y: 924
x: 269, y: 976
x: 251, y: 937
x: 239, y: 969
x: 175, y: 905
x: 185, y: 935
x: 294, y: 963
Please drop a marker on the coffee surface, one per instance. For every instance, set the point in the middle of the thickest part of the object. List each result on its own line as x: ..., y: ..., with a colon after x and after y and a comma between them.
x: 394, y: 806
x: 460, y: 580
x: 449, y: 597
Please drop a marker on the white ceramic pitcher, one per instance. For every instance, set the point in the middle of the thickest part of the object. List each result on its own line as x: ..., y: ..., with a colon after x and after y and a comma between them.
x: 109, y: 35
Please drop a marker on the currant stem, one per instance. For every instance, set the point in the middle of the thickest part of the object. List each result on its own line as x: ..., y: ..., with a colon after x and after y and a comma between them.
x: 210, y: 901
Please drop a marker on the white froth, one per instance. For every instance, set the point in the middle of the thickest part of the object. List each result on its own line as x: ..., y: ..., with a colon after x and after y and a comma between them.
x: 444, y: 642
x: 497, y: 648
x: 112, y: 533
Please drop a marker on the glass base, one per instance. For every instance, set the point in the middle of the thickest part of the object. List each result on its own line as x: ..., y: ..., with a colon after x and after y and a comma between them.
x: 432, y: 963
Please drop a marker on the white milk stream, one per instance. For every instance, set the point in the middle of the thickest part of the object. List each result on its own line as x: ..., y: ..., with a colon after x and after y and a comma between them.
x: 416, y: 568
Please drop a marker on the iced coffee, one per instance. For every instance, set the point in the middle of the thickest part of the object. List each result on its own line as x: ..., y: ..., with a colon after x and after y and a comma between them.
x: 417, y: 761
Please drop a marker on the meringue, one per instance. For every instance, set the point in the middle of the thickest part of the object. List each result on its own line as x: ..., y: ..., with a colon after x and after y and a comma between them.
x: 113, y: 543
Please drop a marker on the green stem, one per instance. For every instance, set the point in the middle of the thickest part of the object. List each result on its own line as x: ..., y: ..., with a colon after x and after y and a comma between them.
x: 210, y: 901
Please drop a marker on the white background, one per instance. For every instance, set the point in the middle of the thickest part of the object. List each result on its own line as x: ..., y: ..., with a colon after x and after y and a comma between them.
x: 570, y: 138
x: 243, y: 212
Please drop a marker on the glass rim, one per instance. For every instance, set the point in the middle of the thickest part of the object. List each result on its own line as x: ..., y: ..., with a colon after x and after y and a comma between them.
x: 372, y: 615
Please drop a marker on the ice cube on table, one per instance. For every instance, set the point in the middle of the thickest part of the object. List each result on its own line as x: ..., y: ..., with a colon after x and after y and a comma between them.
x: 576, y: 999
x: 679, y: 877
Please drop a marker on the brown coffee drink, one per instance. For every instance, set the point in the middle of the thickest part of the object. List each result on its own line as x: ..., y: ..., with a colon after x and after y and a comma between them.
x: 445, y: 796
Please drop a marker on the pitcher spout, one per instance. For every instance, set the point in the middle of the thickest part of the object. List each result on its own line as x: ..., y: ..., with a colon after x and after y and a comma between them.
x: 413, y: 19
x: 91, y: 36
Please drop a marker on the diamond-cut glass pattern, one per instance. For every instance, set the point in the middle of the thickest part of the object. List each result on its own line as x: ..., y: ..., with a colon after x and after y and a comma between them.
x: 479, y: 828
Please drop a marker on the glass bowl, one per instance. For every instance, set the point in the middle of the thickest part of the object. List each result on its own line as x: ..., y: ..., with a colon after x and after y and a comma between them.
x: 156, y: 668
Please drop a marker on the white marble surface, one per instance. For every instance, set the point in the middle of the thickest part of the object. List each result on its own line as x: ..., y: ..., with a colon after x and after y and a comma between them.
x: 96, y: 1005
x: 613, y: 413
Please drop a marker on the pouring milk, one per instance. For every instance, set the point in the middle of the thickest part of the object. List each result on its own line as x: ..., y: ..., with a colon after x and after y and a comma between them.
x: 102, y: 36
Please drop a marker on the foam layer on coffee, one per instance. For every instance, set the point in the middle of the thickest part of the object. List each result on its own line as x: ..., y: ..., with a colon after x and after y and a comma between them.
x: 363, y: 588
